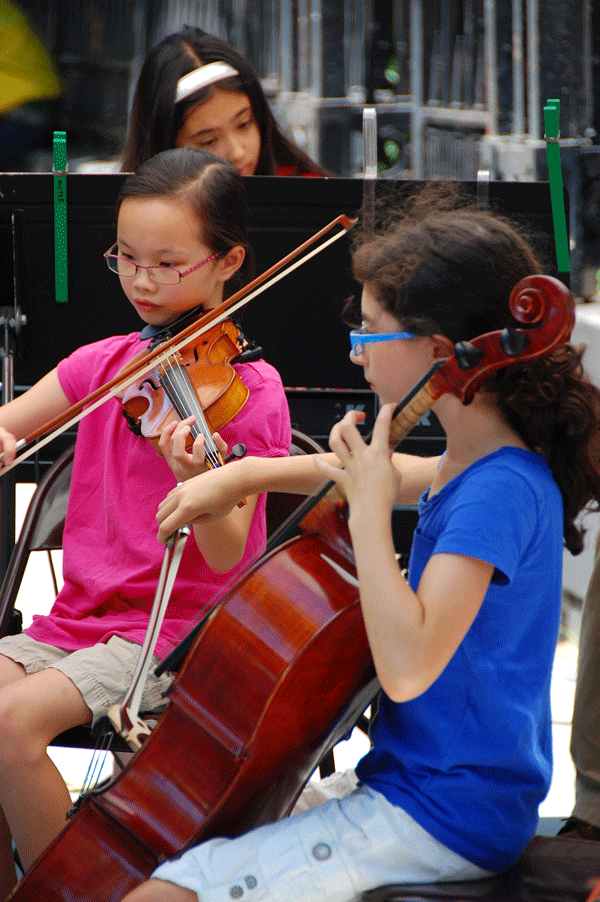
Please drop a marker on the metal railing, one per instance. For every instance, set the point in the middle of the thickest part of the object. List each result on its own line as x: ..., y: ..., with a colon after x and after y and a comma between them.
x: 452, y: 82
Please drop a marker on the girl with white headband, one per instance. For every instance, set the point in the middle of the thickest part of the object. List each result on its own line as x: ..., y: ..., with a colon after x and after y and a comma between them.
x: 195, y: 90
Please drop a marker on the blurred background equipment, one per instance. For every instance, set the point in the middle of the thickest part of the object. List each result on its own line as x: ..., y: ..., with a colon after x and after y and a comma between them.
x: 459, y: 86
x: 29, y: 88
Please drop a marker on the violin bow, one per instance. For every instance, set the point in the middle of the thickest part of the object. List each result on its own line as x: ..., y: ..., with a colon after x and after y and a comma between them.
x: 146, y: 360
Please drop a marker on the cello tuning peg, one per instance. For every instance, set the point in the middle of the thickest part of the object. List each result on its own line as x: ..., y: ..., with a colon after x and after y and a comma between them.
x: 467, y: 356
x: 513, y: 342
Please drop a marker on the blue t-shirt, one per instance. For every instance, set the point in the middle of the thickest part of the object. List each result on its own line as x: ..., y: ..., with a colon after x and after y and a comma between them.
x: 470, y: 759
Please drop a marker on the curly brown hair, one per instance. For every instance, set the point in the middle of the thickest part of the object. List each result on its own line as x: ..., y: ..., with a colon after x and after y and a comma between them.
x: 440, y: 265
x: 556, y: 411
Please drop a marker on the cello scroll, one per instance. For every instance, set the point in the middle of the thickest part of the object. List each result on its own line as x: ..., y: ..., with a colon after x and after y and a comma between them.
x: 546, y: 309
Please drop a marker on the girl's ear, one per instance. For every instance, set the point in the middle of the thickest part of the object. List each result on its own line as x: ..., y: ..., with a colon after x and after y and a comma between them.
x: 231, y: 262
x: 441, y: 346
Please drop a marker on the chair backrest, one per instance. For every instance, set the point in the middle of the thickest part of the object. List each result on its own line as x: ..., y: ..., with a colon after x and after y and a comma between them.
x: 42, y: 529
x: 304, y: 444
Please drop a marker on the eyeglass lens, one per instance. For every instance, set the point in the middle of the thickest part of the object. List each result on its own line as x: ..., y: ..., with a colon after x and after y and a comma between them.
x: 128, y: 269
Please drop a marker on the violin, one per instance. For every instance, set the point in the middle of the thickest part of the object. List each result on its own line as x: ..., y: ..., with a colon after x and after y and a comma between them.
x: 241, y: 734
x: 199, y: 379
x: 144, y: 361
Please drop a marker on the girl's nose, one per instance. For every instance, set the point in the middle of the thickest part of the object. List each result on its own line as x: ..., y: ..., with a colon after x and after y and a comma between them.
x: 235, y: 150
x: 357, y: 358
x: 142, y: 280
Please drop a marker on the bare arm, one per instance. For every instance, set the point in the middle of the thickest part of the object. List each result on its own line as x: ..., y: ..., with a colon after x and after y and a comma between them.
x: 412, y: 635
x: 215, y: 493
x: 221, y: 542
x: 416, y: 476
x: 29, y: 411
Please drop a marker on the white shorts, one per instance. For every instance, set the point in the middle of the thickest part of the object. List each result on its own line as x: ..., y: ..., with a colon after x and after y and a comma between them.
x: 331, y: 853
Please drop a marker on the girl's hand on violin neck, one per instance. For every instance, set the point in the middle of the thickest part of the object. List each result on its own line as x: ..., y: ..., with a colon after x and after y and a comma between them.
x: 173, y: 445
x: 368, y: 478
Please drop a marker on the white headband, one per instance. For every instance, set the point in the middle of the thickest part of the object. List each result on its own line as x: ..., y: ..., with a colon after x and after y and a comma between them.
x: 200, y: 78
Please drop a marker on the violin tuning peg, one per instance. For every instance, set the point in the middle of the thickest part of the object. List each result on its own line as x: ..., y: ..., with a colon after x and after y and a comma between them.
x: 236, y: 452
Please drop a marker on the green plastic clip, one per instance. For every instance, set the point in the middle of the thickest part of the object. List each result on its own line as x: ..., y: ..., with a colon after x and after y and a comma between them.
x: 552, y: 138
x: 59, y: 168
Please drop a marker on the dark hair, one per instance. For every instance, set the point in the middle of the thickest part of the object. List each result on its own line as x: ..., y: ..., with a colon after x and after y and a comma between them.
x: 156, y: 119
x: 214, y: 191
x: 442, y: 266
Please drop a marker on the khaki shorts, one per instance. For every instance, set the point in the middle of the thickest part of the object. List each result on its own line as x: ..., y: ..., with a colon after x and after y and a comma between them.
x: 102, y: 673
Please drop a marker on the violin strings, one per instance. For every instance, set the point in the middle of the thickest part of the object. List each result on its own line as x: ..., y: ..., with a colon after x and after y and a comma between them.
x: 180, y: 390
x: 41, y: 437
x: 185, y: 393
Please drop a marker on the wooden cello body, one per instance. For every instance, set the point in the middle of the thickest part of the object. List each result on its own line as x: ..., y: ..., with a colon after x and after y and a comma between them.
x: 280, y: 671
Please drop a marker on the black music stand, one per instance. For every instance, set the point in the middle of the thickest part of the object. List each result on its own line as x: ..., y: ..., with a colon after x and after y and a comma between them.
x: 297, y: 322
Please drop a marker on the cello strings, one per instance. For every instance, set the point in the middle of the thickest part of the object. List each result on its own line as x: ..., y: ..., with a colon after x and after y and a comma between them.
x: 96, y: 763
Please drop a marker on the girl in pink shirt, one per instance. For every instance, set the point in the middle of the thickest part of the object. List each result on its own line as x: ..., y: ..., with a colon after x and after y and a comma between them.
x: 181, y: 236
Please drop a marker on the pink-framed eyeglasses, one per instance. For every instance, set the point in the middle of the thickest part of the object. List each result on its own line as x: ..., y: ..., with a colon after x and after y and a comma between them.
x: 163, y: 275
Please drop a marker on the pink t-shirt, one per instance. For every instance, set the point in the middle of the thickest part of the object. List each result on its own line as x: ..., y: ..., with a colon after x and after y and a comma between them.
x: 112, y: 558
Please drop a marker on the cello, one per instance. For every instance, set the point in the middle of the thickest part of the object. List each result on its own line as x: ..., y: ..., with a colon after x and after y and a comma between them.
x: 291, y: 622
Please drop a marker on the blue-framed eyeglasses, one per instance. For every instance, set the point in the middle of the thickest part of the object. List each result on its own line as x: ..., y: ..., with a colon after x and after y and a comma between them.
x: 358, y: 339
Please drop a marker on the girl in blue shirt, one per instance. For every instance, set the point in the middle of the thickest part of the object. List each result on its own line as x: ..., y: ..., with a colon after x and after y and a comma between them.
x: 461, y: 745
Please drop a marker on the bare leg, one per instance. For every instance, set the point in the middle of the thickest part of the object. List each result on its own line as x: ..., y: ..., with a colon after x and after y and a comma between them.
x: 33, y: 794
x: 10, y: 671
x: 8, y: 873
x: 160, y: 891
